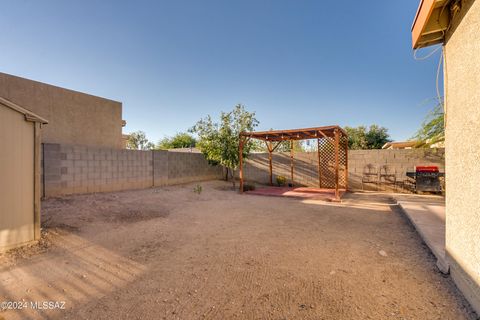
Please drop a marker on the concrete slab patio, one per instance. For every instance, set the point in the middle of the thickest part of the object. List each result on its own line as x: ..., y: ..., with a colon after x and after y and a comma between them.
x: 427, y: 214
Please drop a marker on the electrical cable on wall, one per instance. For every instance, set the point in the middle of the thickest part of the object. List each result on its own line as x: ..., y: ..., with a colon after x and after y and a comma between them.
x: 437, y: 79
x: 427, y: 56
x: 437, y: 85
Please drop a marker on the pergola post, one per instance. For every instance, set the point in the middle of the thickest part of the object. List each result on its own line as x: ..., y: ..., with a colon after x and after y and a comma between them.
x: 291, y: 161
x: 319, y: 164
x: 240, y: 158
x: 270, y: 165
x: 346, y: 162
x: 337, y: 147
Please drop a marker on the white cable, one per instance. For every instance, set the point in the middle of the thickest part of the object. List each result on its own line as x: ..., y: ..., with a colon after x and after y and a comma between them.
x: 427, y: 56
x: 440, y: 61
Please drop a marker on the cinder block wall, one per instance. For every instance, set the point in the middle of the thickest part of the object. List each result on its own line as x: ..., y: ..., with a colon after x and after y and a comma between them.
x: 71, y: 169
x: 305, y: 168
x: 186, y: 167
x: 306, y: 165
x: 399, y: 161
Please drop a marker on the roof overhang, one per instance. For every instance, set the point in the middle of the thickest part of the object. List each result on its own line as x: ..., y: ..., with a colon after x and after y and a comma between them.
x: 430, y: 24
x: 29, y: 116
x: 399, y: 144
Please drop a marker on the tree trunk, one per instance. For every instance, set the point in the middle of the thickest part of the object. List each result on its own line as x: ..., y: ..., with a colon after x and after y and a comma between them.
x: 226, y: 173
x: 232, y: 171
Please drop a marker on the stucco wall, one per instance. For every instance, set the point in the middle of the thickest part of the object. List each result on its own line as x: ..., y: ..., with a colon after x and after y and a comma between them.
x: 306, y: 166
x: 462, y: 91
x: 74, y: 117
x: 73, y: 169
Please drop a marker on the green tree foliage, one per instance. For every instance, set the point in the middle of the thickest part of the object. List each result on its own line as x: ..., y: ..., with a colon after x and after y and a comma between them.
x: 138, y: 141
x: 433, y: 128
x: 219, y: 141
x: 285, y: 146
x: 180, y: 140
x: 373, y: 137
x: 377, y: 136
x: 260, y: 146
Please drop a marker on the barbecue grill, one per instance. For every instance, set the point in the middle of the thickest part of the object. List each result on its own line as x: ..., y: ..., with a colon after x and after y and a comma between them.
x: 427, y: 178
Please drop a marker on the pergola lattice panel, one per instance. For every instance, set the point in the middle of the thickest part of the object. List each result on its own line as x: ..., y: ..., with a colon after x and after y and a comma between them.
x: 343, y: 163
x: 326, y: 153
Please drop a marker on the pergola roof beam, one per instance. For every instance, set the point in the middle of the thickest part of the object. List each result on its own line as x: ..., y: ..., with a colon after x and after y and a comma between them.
x: 295, y: 134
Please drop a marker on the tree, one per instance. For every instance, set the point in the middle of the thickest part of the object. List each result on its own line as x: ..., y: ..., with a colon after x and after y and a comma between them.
x: 377, y: 136
x: 219, y: 141
x: 362, y: 138
x: 432, y: 129
x: 357, y: 137
x: 284, y: 146
x: 138, y: 141
x: 180, y: 140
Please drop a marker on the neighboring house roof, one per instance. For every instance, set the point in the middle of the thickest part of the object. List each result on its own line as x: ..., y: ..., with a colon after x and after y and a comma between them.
x: 29, y: 116
x: 440, y: 144
x: 399, y: 144
x: 432, y: 21
x: 192, y: 150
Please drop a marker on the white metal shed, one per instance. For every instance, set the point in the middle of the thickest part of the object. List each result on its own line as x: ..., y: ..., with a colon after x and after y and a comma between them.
x: 20, y: 145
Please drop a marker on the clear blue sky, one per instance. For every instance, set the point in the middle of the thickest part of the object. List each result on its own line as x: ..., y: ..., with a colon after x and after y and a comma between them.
x: 296, y: 63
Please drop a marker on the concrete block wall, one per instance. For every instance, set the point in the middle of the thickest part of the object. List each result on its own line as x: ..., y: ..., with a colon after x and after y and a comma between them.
x: 184, y: 167
x: 305, y: 168
x: 399, y: 163
x: 306, y: 165
x: 72, y: 169
x: 160, y: 168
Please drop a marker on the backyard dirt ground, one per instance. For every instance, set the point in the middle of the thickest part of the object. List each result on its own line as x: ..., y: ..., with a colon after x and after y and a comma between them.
x: 170, y: 253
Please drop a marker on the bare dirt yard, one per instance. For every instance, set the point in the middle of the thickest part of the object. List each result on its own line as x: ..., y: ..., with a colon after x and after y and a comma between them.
x: 169, y: 253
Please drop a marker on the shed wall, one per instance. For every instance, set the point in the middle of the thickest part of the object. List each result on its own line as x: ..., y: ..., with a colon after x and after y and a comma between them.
x: 17, y: 179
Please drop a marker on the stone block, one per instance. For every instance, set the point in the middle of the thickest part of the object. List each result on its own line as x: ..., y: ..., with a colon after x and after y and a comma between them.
x: 54, y: 177
x: 52, y: 147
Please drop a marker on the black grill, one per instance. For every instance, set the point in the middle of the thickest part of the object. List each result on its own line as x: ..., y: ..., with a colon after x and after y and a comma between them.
x: 426, y: 178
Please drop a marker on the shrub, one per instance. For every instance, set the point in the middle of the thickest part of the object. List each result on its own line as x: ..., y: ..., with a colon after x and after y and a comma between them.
x: 281, y: 180
x: 198, y: 189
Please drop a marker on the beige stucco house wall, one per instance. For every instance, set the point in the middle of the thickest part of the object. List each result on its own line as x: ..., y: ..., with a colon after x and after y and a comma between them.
x: 456, y: 25
x: 19, y: 175
x: 462, y: 96
x: 74, y: 117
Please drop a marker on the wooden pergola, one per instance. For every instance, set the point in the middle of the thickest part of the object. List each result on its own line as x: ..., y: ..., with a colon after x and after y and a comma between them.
x: 332, y: 142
